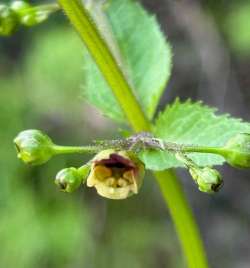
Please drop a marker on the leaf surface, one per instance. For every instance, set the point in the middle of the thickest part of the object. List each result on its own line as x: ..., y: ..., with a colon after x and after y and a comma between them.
x: 192, y: 123
x: 144, y: 56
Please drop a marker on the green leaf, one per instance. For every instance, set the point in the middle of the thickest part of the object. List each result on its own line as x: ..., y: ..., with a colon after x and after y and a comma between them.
x: 143, y: 54
x: 192, y: 123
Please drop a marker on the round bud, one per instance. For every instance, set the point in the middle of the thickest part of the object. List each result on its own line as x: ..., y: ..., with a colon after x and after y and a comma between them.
x: 237, y: 151
x: 68, y: 179
x: 208, y: 180
x: 34, y: 147
x: 116, y: 174
x: 8, y: 20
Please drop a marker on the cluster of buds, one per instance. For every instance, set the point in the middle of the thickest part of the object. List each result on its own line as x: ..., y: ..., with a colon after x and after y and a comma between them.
x: 116, y: 172
x: 22, y: 13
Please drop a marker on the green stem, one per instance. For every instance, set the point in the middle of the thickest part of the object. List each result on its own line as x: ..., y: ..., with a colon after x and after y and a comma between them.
x: 182, y: 215
x: 58, y: 149
x: 183, y: 218
x: 203, y: 149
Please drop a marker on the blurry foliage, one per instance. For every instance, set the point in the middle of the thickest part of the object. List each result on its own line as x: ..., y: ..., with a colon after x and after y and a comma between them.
x: 53, y: 78
x: 34, y: 232
x: 237, y: 28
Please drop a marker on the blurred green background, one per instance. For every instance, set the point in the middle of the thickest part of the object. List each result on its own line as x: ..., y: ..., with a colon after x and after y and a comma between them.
x: 41, y: 74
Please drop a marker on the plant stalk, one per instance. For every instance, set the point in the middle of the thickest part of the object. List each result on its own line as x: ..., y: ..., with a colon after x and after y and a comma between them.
x: 58, y: 149
x: 172, y: 192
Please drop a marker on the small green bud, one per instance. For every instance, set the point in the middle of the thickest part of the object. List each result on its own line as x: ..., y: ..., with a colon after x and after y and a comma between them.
x: 208, y: 179
x: 68, y: 179
x: 34, y: 147
x: 8, y: 20
x: 237, y: 151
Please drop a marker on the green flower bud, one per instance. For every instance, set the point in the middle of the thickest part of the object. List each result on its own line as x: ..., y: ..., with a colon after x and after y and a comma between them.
x: 8, y: 20
x: 237, y: 151
x: 208, y: 180
x: 28, y: 15
x: 116, y: 174
x: 34, y: 147
x: 68, y: 179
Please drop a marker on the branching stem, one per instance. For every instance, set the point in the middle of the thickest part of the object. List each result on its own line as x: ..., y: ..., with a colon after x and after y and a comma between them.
x: 137, y: 143
x: 170, y: 187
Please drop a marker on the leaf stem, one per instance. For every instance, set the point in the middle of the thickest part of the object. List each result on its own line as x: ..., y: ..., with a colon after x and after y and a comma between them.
x: 172, y: 192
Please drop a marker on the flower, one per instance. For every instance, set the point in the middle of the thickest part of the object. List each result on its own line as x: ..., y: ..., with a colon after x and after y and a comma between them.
x: 116, y: 174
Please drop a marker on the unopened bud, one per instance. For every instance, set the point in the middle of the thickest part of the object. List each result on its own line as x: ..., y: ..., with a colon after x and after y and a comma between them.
x: 68, y: 179
x: 208, y: 179
x: 33, y: 147
x: 116, y: 174
x: 237, y: 151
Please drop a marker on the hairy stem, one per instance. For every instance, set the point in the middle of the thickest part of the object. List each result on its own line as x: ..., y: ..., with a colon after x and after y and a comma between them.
x: 58, y: 149
x: 172, y: 192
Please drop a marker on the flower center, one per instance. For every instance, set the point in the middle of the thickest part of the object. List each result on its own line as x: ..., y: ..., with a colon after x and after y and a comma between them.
x: 116, y: 171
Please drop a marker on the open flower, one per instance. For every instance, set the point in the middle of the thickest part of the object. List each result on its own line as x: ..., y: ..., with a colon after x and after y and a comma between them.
x: 116, y: 174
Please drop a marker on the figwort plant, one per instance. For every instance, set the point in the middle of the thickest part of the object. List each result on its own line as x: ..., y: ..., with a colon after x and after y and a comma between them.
x: 127, y: 68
